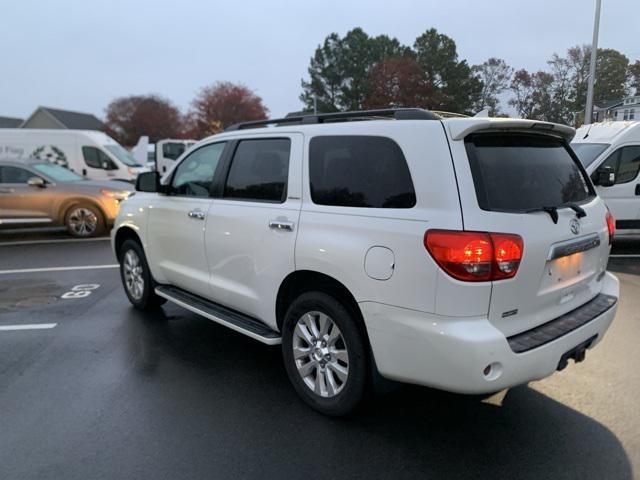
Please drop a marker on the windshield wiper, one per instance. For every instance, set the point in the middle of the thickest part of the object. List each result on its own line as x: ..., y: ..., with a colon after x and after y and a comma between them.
x: 552, y: 211
x: 579, y: 210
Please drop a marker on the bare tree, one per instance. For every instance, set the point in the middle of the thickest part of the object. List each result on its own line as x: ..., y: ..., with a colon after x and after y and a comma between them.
x: 495, y: 76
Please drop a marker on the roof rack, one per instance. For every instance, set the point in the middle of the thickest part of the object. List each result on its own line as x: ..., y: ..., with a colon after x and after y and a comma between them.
x: 393, y: 113
x: 444, y: 114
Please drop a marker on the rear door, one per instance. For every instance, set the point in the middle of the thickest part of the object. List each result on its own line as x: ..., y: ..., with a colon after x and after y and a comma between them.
x: 253, y: 223
x: 623, y: 198
x: 504, y: 179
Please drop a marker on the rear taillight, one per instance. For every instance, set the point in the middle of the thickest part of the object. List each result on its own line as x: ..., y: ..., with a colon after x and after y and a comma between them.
x: 611, y: 225
x: 475, y: 256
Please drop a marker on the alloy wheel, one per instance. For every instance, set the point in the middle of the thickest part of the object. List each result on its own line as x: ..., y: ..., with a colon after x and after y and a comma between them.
x: 83, y: 222
x: 320, y: 354
x: 132, y: 269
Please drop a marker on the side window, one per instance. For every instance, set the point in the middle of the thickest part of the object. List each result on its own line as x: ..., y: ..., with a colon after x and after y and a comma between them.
x: 15, y: 175
x: 629, y: 164
x: 95, y: 158
x: 625, y: 162
x: 359, y: 171
x: 194, y: 175
x: 259, y: 170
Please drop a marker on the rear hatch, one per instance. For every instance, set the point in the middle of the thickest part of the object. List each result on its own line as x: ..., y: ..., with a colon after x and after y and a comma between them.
x: 531, y: 184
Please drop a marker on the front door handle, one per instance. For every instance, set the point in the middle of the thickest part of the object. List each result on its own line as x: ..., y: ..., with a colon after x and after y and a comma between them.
x: 638, y: 189
x: 197, y: 214
x: 281, y: 225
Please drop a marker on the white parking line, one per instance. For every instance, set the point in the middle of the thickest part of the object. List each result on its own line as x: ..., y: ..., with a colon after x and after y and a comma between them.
x: 59, y: 240
x: 57, y: 269
x: 625, y: 255
x: 28, y: 326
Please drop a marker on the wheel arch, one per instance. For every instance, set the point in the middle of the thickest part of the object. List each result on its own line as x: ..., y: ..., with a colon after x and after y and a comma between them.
x: 68, y: 204
x: 301, y: 281
x: 122, y: 235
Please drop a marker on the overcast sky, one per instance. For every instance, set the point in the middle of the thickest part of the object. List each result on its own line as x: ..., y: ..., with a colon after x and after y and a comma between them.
x: 79, y: 55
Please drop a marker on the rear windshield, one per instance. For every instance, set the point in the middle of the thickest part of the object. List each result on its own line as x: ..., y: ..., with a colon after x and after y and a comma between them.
x: 521, y: 172
x: 588, y: 152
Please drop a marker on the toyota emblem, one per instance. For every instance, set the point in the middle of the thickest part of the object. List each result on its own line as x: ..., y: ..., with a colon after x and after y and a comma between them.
x: 575, y: 226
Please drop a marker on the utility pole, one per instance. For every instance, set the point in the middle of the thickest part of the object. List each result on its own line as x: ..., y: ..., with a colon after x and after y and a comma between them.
x: 588, y: 112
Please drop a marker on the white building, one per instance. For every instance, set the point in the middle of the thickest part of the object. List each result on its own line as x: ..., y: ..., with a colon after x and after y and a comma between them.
x: 626, y: 109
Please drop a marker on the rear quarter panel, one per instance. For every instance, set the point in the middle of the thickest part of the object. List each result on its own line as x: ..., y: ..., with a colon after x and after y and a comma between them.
x: 335, y: 240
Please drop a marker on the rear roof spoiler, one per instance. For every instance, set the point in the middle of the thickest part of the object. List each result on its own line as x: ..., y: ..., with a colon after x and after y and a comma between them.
x: 460, y: 128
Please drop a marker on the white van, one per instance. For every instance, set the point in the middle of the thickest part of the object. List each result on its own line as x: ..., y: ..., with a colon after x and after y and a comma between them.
x: 167, y: 152
x: 89, y: 153
x: 162, y: 155
x: 610, y: 152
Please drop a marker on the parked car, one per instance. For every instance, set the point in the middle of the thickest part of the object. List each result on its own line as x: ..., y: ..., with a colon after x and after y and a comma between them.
x: 91, y: 154
x: 465, y: 254
x: 610, y: 152
x: 36, y: 193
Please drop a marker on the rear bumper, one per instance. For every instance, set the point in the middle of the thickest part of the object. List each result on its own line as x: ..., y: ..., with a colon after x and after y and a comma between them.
x: 452, y: 353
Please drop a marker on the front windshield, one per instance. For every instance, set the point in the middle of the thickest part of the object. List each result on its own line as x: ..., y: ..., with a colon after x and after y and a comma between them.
x: 56, y: 172
x: 122, y: 155
x: 588, y: 152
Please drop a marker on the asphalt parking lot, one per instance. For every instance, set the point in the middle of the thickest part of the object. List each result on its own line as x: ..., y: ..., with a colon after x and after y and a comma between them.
x: 100, y: 390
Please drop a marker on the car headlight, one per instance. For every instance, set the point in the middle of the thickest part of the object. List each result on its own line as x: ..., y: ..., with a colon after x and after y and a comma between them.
x: 116, y: 194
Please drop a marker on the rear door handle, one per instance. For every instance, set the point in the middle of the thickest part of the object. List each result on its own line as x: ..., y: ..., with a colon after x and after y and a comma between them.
x: 7, y: 190
x: 281, y: 225
x: 197, y: 214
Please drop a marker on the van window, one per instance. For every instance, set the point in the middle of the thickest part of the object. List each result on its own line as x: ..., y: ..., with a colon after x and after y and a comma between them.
x: 359, y: 171
x: 194, y: 174
x: 121, y: 154
x: 94, y: 158
x: 259, y: 170
x: 520, y: 172
x: 588, y: 152
x: 625, y: 162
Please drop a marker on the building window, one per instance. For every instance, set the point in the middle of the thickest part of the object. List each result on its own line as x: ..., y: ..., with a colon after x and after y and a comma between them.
x: 632, y: 113
x: 626, y: 114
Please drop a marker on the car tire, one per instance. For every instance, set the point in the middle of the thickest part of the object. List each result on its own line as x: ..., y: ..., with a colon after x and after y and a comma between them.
x: 136, y: 277
x: 327, y: 368
x: 84, y: 221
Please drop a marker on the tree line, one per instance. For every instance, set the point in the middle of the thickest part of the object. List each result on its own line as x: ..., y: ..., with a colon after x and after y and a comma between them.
x: 358, y: 71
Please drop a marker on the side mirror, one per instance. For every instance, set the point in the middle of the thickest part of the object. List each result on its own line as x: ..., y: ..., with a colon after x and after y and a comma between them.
x: 605, y: 176
x: 148, y: 182
x: 36, y: 182
x: 109, y: 165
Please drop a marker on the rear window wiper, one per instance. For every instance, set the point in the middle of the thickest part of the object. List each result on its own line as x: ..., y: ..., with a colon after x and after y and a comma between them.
x: 579, y: 210
x: 552, y: 211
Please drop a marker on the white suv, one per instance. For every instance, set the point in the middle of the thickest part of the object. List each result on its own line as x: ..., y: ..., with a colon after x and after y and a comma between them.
x: 464, y: 254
